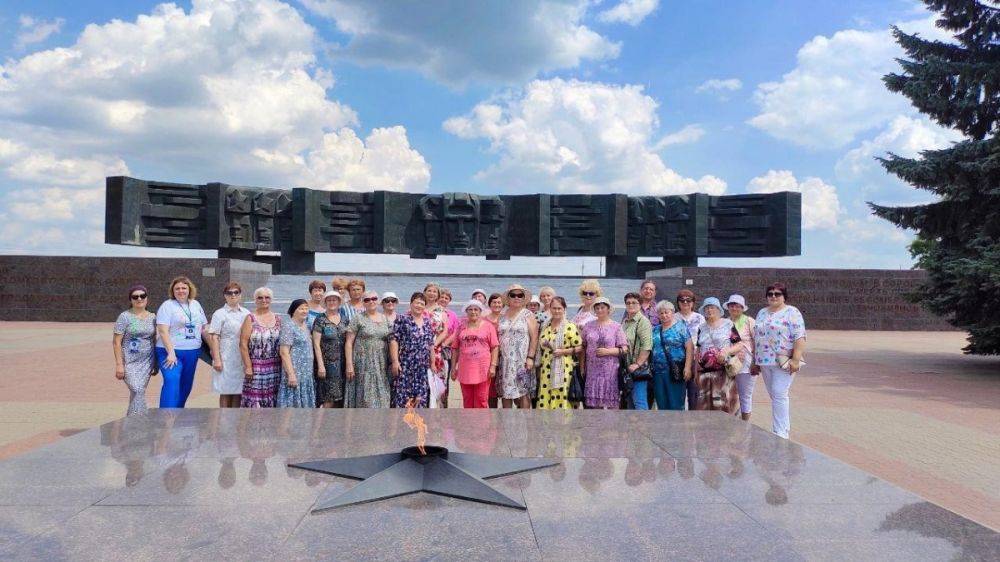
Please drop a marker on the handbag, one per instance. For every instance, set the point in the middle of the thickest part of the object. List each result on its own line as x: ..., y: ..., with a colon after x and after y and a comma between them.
x: 575, y: 391
x: 676, y: 368
x: 625, y: 380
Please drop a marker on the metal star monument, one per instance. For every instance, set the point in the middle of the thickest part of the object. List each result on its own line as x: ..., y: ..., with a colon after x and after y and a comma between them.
x: 434, y: 470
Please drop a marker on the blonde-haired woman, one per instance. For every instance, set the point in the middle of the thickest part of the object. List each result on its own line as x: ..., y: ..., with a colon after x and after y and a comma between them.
x: 590, y: 290
x: 518, y: 336
x: 180, y: 321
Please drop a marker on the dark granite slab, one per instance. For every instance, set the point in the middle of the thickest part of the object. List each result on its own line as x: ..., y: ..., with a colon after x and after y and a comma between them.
x: 214, y: 484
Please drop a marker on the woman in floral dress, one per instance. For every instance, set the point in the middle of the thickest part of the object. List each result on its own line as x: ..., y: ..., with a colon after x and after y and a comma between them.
x: 365, y: 356
x: 604, y: 342
x: 298, y: 386
x: 259, y: 348
x: 560, y: 343
x: 328, y: 333
x: 410, y: 352
x: 518, y: 332
x: 134, y: 339
x: 717, y: 337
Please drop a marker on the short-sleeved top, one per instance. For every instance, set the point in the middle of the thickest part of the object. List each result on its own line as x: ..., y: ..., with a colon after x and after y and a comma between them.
x: 694, y: 322
x: 649, y: 311
x: 313, y: 315
x: 473, y: 347
x: 775, y: 334
x: 639, y: 333
x: 184, y: 322
x: 674, y: 339
x: 228, y: 320
x: 583, y: 317
x: 719, y: 337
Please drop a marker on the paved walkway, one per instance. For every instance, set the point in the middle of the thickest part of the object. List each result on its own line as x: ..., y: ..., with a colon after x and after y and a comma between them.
x: 905, y: 406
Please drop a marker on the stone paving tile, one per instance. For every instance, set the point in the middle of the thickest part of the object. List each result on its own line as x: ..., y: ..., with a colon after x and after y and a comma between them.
x: 905, y: 406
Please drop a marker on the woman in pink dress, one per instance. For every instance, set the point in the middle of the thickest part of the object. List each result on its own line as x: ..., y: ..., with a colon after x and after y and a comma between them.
x: 476, y: 351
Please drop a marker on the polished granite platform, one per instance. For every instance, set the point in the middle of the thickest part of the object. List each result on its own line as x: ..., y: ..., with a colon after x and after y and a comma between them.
x: 214, y: 484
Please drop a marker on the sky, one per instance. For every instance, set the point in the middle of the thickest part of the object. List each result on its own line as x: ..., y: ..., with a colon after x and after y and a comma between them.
x: 654, y: 97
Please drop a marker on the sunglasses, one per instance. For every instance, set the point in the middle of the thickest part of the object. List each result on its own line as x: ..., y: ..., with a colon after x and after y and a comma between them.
x: 685, y: 299
x: 775, y: 294
x: 631, y: 302
x: 263, y: 298
x: 370, y: 299
x: 393, y: 301
x: 231, y: 293
x: 588, y: 293
x: 138, y: 296
x: 516, y: 295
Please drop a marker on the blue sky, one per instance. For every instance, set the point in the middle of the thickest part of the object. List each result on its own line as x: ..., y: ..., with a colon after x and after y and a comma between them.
x: 637, y: 96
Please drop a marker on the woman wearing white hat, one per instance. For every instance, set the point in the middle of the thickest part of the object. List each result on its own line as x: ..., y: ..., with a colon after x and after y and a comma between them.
x: 389, y: 302
x: 476, y: 351
x: 718, y: 343
x: 604, y: 342
x: 745, y: 380
x: 329, y: 332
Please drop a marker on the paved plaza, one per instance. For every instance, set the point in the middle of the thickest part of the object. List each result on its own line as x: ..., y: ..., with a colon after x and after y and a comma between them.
x: 907, y: 407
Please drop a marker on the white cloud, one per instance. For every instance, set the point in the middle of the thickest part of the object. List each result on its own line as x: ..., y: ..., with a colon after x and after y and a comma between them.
x: 458, y: 41
x: 835, y: 92
x: 631, y: 12
x: 689, y: 134
x: 230, y: 90
x: 905, y: 136
x: 575, y: 136
x: 820, y: 204
x: 35, y: 30
x: 719, y: 86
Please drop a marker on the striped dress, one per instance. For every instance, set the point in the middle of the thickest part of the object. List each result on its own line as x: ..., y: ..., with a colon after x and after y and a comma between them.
x: 261, y: 391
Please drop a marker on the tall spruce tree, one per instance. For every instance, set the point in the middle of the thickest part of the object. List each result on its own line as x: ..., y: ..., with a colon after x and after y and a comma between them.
x: 958, y: 237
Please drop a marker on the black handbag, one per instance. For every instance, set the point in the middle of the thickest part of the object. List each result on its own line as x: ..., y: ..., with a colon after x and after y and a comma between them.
x: 575, y: 391
x: 625, y: 380
x: 676, y: 367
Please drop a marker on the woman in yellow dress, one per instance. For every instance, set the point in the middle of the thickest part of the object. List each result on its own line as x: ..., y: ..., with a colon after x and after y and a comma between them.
x: 561, y: 344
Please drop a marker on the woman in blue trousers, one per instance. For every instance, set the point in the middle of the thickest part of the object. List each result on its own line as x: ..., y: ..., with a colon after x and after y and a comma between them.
x: 180, y: 321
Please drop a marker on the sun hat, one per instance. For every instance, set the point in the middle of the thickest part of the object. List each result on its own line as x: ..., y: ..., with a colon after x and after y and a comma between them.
x: 604, y: 301
x: 534, y: 300
x: 737, y: 299
x: 331, y: 293
x: 710, y: 301
x: 480, y: 291
x: 473, y: 303
x: 389, y: 295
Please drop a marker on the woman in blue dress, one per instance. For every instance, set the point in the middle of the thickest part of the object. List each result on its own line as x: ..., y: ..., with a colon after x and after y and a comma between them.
x: 673, y: 351
x: 410, y: 353
x: 298, y: 388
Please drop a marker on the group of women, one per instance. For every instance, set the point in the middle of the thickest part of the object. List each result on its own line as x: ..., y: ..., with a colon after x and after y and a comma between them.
x: 350, y: 347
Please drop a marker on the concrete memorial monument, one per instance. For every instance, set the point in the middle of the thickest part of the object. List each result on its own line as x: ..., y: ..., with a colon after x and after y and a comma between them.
x: 253, y: 223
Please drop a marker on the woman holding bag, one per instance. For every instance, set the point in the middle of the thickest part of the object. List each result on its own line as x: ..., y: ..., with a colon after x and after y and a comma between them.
x: 639, y: 334
x: 779, y: 342
x: 518, y: 333
x: 673, y: 351
x: 720, y: 358
x: 560, y: 343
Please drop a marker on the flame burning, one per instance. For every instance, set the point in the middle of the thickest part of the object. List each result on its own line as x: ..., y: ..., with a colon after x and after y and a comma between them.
x: 415, y: 421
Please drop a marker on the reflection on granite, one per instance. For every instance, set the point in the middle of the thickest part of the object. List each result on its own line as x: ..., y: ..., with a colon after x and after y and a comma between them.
x: 693, y: 485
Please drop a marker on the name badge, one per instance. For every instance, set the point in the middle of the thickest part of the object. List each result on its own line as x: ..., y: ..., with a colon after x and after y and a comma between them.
x: 189, y: 331
x: 133, y: 345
